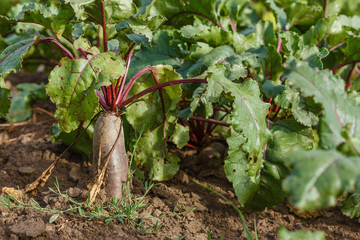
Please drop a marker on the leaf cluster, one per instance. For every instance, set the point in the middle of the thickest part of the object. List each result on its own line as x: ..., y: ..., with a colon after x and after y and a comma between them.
x: 279, y: 80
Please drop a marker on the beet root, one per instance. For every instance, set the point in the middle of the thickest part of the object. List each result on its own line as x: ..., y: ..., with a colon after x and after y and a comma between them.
x: 106, y: 132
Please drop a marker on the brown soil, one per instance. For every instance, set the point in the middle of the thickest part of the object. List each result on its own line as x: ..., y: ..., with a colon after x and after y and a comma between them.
x: 26, y: 151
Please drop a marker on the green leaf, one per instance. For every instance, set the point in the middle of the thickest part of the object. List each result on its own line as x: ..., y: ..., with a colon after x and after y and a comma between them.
x: 154, y: 154
x: 271, y: 90
x: 300, y: 235
x: 312, y: 55
x: 5, y: 6
x: 181, y: 13
x: 351, y: 205
x: 113, y: 45
x: 78, y: 30
x: 248, y: 133
x: 37, y: 13
x: 265, y: 34
x: 274, y: 64
x: 71, y: 86
x: 12, y: 56
x: 180, y: 136
x: 287, y: 136
x: 149, y: 106
x: 249, y: 112
x: 20, y: 109
x: 143, y: 24
x: 90, y: 10
x: 6, y: 24
x: 319, y: 177
x: 281, y: 15
x: 162, y: 51
x: 62, y: 20
x: 303, y: 13
x: 352, y: 48
x: 236, y: 168
x: 252, y: 57
x: 327, y: 90
x: 85, y: 45
x: 4, y: 101
x: 352, y: 22
x: 304, y: 110
x: 323, y: 28
x: 54, y: 217
x: 215, y: 56
x: 212, y: 35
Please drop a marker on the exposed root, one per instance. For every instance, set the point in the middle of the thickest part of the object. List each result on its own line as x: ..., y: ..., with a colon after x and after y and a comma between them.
x: 99, y: 179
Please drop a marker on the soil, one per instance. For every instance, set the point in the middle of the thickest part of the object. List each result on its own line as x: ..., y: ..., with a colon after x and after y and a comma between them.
x: 26, y: 151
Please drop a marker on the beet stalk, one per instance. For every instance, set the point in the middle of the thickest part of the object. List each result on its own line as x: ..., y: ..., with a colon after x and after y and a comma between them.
x: 106, y: 132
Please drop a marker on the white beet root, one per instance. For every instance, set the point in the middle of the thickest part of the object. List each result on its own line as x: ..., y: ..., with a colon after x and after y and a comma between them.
x: 106, y: 131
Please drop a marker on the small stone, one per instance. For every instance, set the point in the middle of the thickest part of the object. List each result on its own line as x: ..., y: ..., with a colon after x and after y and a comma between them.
x: 75, y: 173
x: 74, y: 192
x: 25, y: 139
x: 48, y: 155
x: 26, y: 170
x: 184, y: 178
x: 157, y: 213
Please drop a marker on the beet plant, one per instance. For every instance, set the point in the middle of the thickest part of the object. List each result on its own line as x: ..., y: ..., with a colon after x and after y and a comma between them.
x: 279, y: 80
x: 92, y: 77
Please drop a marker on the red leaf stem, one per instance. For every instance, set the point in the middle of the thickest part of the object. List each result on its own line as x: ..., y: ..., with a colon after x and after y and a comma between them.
x: 161, y: 85
x: 279, y: 45
x: 103, y: 89
x: 276, y: 112
x: 336, y: 46
x: 265, y: 147
x: 210, y: 121
x: 58, y: 44
x: 270, y: 108
x: 109, y: 98
x: 343, y: 64
x: 213, y: 128
x: 192, y: 146
x: 348, y: 83
x: 103, y: 24
x: 101, y: 100
x: 325, y: 4
x: 131, y: 83
x: 113, y: 96
x: 123, y: 79
x: 233, y: 26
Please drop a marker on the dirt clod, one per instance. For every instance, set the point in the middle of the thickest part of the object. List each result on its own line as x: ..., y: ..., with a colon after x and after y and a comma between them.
x: 28, y: 228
